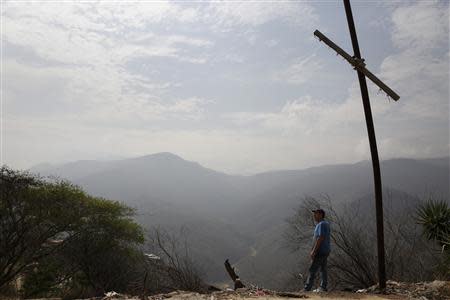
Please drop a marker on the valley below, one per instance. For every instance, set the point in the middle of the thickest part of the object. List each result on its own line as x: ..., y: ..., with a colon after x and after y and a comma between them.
x: 244, y: 218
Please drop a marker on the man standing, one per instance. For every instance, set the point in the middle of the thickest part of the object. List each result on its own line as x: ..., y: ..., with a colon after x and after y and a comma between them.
x: 319, y: 253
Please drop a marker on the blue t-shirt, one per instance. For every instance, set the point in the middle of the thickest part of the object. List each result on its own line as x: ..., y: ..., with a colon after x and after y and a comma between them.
x: 323, y: 229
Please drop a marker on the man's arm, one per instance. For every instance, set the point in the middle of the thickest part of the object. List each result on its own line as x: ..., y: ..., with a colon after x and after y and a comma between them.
x: 316, y: 247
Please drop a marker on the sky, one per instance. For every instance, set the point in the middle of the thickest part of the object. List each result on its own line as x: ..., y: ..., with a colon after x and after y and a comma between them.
x: 238, y: 86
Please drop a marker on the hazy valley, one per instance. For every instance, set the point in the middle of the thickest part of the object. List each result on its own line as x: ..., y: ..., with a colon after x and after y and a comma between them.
x: 243, y: 218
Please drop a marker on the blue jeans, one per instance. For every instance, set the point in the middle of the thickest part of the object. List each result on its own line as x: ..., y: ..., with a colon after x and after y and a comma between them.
x: 319, y: 263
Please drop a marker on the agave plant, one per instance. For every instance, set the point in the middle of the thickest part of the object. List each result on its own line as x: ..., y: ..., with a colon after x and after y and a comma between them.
x: 434, y: 216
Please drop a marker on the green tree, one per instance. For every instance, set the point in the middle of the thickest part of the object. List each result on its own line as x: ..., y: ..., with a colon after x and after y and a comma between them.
x: 63, y: 240
x: 103, y: 255
x: 106, y: 250
x: 36, y: 218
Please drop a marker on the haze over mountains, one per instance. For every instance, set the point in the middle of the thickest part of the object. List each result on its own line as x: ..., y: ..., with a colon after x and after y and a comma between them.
x: 242, y: 217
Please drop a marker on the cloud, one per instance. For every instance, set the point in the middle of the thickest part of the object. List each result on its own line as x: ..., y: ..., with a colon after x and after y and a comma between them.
x: 183, y: 109
x: 85, y: 80
x: 416, y: 126
x: 89, y: 35
x: 272, y: 43
x: 139, y: 14
x: 44, y: 93
x: 90, y: 97
x: 419, y: 70
x: 228, y: 14
x: 307, y: 114
x: 422, y: 25
x: 70, y: 58
x: 301, y: 71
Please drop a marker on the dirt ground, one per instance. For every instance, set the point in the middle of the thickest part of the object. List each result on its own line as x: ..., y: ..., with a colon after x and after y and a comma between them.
x: 262, y: 296
x: 434, y: 290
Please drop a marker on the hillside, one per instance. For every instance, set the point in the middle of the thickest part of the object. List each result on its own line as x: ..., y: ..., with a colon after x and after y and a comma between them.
x: 243, y: 217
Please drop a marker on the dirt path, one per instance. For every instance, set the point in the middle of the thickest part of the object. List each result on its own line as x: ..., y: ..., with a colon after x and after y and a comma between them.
x: 434, y: 290
x: 261, y: 296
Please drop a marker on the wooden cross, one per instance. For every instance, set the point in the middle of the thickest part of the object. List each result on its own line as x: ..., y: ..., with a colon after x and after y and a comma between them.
x: 358, y: 63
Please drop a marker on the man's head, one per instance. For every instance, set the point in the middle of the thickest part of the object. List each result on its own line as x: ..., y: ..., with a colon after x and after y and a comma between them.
x: 319, y: 214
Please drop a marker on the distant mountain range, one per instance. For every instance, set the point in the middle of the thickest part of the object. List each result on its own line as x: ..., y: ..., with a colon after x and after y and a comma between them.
x: 242, y: 217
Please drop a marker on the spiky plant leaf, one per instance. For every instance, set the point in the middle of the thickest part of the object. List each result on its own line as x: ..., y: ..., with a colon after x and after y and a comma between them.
x: 434, y: 216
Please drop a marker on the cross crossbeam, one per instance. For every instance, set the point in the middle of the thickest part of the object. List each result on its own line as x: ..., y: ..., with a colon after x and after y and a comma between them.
x: 358, y: 64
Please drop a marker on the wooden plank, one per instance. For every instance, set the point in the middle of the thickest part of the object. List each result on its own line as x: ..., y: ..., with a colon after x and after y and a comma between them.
x: 359, y: 65
x: 237, y: 282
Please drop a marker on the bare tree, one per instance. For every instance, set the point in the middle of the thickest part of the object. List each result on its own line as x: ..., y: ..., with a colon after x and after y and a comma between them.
x: 178, y: 270
x: 353, y: 258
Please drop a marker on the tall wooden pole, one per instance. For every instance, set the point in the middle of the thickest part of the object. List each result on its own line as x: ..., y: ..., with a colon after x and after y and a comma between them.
x: 373, y: 151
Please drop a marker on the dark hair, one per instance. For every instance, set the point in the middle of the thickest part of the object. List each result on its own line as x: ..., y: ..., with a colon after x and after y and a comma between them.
x: 321, y: 211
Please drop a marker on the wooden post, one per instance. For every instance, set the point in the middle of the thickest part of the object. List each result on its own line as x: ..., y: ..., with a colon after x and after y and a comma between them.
x: 237, y: 281
x: 373, y: 151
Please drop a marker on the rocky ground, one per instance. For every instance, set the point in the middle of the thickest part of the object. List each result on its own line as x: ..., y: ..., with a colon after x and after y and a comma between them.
x: 436, y: 290
x: 241, y: 295
x: 421, y: 290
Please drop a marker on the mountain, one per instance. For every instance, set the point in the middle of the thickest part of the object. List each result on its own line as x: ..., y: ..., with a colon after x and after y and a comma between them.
x: 243, y: 217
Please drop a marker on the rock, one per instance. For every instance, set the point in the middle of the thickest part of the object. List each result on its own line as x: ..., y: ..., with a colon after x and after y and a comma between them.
x: 434, y: 290
x: 112, y: 295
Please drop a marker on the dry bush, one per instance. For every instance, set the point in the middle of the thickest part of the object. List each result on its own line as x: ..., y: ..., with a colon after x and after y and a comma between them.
x: 353, y: 260
x: 176, y: 269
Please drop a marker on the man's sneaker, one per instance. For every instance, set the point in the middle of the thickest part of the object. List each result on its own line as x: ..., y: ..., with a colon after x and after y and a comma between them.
x: 319, y: 290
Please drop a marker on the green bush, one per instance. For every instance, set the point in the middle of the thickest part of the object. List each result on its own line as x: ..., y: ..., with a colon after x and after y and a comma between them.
x: 63, y: 241
x: 434, y: 216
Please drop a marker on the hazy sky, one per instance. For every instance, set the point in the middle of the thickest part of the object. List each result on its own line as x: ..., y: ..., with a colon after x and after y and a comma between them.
x: 240, y: 87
